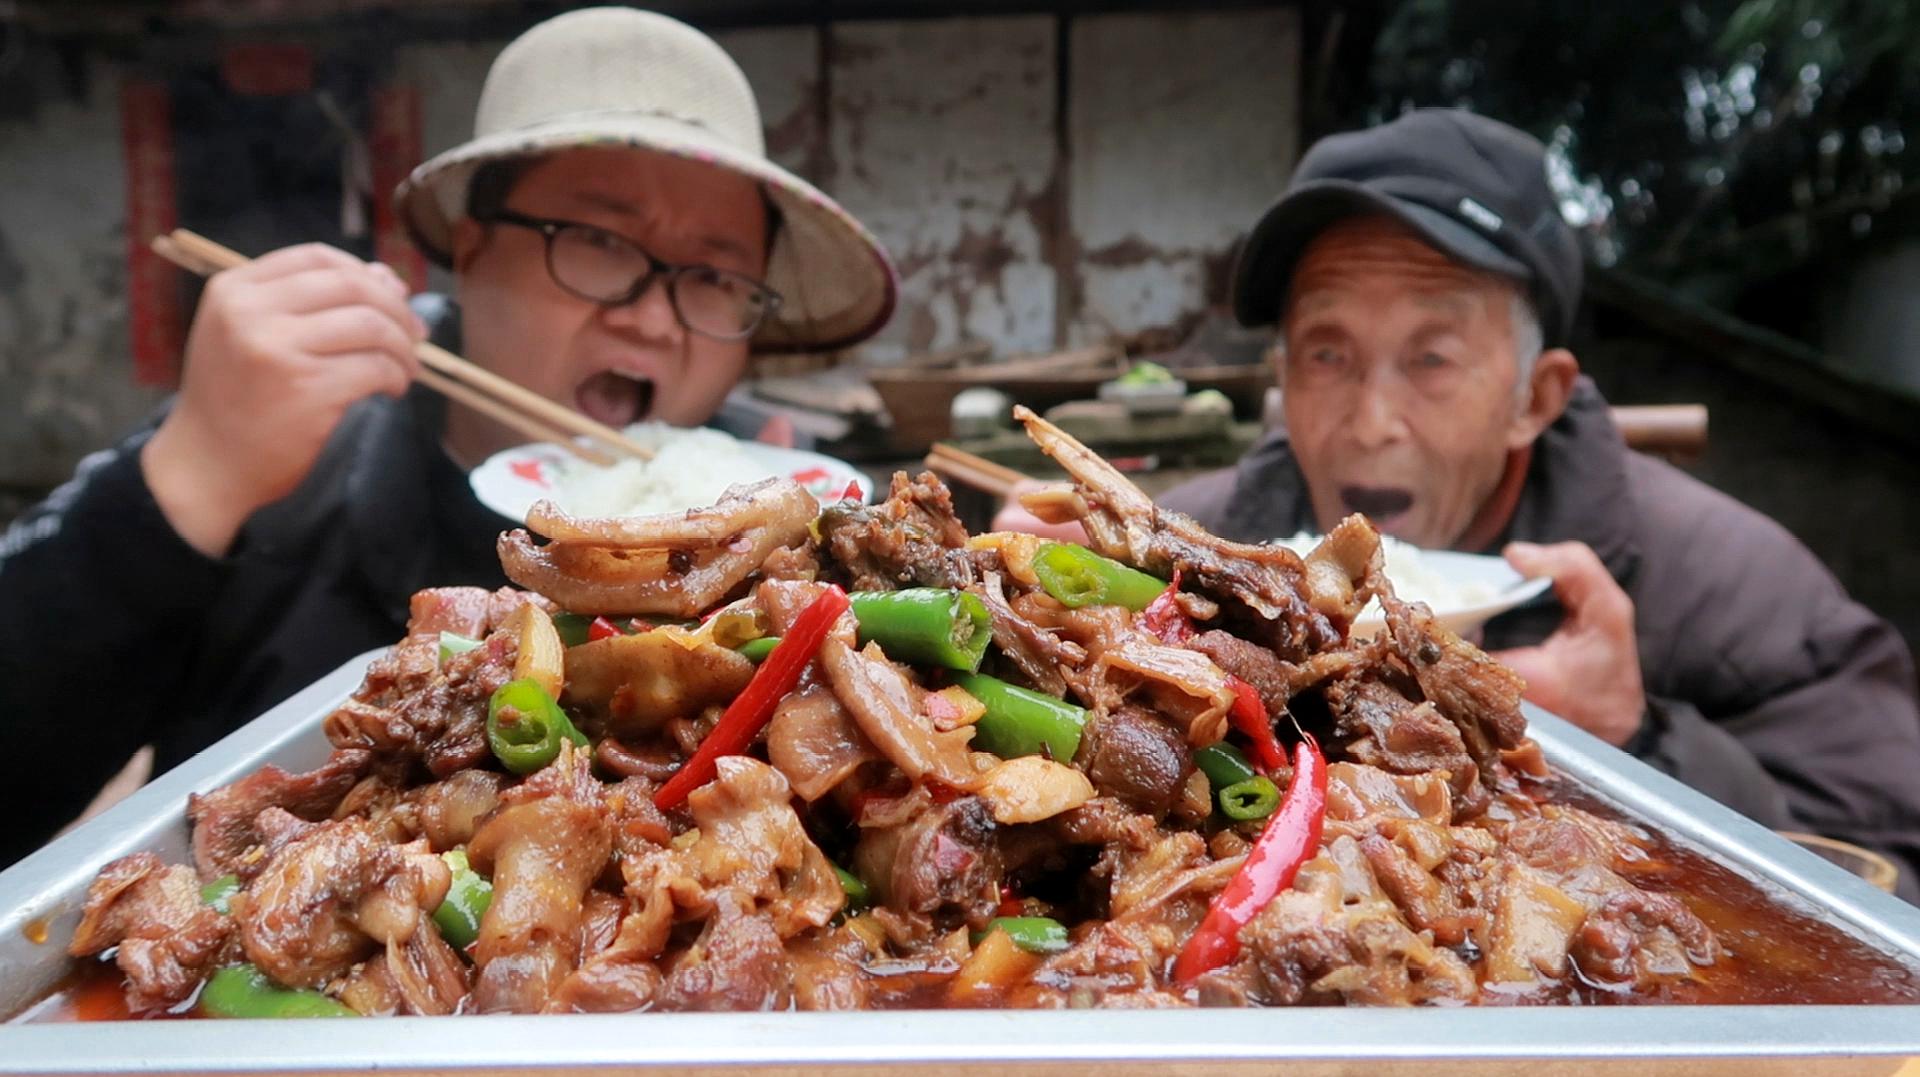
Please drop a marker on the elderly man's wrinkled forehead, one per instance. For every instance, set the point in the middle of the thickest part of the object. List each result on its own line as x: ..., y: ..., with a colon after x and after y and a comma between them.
x: 1367, y: 249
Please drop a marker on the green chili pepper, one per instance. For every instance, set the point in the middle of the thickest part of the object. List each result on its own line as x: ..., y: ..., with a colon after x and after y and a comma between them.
x: 466, y: 902
x: 757, y: 650
x: 857, y: 893
x: 925, y: 625
x: 219, y: 892
x: 452, y: 643
x: 245, y: 991
x: 1034, y: 934
x: 1223, y: 765
x: 525, y: 726
x: 1079, y: 577
x: 1018, y: 722
x: 1254, y: 798
x: 572, y: 628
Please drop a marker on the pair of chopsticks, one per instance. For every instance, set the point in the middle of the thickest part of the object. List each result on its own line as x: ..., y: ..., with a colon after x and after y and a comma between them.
x: 969, y: 469
x: 448, y: 374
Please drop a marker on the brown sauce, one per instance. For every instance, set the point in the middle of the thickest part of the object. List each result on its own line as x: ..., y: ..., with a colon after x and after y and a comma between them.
x: 1776, y: 953
x: 94, y: 991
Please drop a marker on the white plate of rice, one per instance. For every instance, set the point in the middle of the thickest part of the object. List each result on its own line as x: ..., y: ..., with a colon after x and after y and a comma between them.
x: 1464, y: 590
x: 691, y: 468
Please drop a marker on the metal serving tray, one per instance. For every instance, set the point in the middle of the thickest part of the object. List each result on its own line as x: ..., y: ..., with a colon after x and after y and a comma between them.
x: 40, y: 899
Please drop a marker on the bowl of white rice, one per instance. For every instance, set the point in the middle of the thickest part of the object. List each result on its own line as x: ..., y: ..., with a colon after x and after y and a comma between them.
x: 1464, y: 590
x: 690, y: 468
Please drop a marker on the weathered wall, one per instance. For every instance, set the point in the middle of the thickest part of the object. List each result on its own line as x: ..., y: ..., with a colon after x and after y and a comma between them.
x: 1182, y: 128
x: 66, y: 381
x: 943, y: 141
x: 783, y: 64
x: 1042, y: 181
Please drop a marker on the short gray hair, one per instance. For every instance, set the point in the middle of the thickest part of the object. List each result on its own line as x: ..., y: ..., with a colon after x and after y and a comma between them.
x: 1528, y: 341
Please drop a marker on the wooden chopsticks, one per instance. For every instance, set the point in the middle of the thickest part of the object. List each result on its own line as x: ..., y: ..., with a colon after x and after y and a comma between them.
x: 961, y: 466
x: 448, y: 374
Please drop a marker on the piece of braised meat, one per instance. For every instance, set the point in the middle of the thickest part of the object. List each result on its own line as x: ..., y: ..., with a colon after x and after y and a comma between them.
x: 544, y: 847
x: 168, y: 938
x: 223, y: 820
x: 330, y: 895
x: 912, y: 539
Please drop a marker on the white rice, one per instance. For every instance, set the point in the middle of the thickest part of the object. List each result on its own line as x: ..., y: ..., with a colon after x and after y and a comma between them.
x: 1414, y: 578
x: 690, y: 469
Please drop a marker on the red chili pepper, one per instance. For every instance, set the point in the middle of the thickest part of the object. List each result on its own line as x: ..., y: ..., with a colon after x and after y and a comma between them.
x: 1291, y: 838
x: 1249, y: 716
x: 601, y: 628
x: 752, y: 709
x: 852, y: 492
x: 1165, y: 620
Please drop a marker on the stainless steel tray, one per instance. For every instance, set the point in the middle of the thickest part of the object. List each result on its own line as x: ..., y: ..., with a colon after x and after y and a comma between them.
x: 40, y: 898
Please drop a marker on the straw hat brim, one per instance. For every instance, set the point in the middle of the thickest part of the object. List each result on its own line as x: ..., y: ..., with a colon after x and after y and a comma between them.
x: 836, y: 283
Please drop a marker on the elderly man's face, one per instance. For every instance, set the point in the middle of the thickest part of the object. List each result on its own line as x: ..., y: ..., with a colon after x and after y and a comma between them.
x: 1400, y: 381
x: 616, y: 364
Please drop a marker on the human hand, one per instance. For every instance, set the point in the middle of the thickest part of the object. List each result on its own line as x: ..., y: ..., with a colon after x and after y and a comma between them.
x: 280, y: 349
x: 1014, y: 516
x: 778, y: 431
x: 1588, y: 670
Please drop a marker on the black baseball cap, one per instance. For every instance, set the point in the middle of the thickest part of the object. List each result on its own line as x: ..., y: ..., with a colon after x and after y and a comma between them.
x: 1472, y: 187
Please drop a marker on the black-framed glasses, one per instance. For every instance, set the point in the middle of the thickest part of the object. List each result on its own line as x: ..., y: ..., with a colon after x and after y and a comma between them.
x: 609, y: 269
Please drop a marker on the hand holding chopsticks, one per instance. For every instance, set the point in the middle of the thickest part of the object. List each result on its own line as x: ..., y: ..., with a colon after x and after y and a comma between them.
x: 448, y: 374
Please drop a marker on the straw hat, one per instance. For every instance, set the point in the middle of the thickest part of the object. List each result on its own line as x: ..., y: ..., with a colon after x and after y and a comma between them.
x: 620, y: 77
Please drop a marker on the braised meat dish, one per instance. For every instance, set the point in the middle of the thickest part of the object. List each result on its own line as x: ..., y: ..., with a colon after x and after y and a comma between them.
x: 772, y: 755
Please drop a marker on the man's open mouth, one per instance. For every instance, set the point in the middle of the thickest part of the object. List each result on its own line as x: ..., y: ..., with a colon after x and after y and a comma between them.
x: 614, y: 398
x: 1376, y: 502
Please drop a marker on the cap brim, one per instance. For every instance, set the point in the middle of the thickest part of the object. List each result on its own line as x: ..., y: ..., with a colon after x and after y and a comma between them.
x: 1265, y: 269
x: 836, y: 283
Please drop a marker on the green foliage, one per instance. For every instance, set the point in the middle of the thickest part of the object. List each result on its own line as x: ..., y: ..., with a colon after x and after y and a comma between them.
x: 1701, y: 140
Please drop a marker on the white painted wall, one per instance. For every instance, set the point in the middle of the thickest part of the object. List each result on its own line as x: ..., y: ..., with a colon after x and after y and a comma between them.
x: 1182, y: 128
x: 943, y: 141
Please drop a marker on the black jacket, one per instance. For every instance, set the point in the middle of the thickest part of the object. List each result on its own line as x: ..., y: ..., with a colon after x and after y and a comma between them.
x: 1768, y: 688
x: 115, y: 633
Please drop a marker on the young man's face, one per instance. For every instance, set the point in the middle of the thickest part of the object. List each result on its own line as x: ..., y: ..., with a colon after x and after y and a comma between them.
x: 1400, y: 381
x: 617, y: 364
